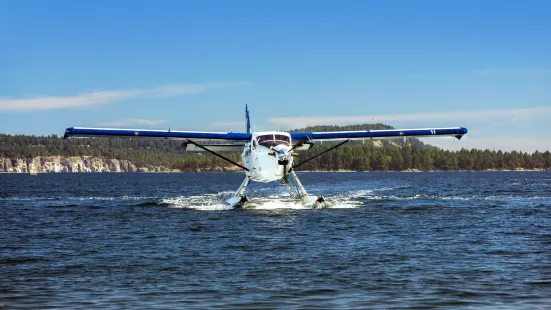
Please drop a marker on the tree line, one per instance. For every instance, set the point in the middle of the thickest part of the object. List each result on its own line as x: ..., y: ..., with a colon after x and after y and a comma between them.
x: 395, y: 158
x: 382, y: 155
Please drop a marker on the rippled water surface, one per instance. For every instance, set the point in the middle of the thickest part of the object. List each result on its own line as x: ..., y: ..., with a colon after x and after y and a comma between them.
x: 389, y: 240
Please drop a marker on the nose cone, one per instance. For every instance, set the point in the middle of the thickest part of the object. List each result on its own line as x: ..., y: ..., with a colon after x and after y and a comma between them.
x: 283, y: 158
x: 282, y: 149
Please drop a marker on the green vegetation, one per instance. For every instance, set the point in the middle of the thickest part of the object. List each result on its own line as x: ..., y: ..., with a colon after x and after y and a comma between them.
x: 384, y: 155
x: 394, y: 158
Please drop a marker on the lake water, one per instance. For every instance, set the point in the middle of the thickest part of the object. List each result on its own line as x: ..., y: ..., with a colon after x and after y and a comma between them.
x: 389, y: 240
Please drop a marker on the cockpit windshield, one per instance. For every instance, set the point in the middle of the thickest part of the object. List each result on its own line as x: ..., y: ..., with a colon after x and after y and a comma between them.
x: 273, y: 140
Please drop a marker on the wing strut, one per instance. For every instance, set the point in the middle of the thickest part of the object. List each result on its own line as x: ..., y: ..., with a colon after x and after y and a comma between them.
x: 309, y: 159
x: 214, y: 153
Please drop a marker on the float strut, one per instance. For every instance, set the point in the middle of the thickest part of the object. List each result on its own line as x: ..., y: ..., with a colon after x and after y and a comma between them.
x: 300, y: 189
x: 241, y: 191
x: 239, y: 200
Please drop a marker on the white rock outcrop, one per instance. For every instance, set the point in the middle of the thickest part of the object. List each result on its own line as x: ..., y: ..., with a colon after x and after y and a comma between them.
x: 45, y: 164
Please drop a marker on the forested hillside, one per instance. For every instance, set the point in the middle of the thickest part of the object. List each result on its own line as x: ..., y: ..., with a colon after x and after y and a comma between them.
x: 383, y: 155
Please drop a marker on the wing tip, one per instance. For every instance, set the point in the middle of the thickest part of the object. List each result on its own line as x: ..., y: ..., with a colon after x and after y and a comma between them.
x: 68, y: 132
x: 461, y: 133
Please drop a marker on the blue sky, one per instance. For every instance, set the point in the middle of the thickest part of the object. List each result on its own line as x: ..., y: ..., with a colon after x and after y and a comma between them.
x: 193, y: 65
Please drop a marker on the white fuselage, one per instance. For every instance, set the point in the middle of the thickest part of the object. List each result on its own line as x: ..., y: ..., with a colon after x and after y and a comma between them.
x: 266, y: 156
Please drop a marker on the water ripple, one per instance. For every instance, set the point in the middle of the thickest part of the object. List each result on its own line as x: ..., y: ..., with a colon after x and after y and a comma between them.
x: 388, y: 240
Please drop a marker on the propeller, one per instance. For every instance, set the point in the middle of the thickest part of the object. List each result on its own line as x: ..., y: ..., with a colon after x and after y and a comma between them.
x: 283, y: 156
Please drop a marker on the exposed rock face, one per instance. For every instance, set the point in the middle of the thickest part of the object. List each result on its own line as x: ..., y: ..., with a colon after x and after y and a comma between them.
x: 70, y: 164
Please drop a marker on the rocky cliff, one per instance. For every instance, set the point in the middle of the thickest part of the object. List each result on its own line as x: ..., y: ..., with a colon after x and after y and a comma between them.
x: 41, y: 164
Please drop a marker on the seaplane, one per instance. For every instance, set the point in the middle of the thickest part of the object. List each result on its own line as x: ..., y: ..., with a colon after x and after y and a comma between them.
x: 268, y: 156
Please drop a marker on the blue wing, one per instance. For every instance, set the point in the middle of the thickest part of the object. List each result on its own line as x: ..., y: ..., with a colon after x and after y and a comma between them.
x: 154, y: 134
x: 457, y: 132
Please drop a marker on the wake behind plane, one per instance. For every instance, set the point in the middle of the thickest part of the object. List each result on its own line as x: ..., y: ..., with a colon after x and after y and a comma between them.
x: 268, y: 156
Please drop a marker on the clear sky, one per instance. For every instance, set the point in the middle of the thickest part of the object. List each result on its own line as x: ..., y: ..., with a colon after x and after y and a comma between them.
x: 193, y: 65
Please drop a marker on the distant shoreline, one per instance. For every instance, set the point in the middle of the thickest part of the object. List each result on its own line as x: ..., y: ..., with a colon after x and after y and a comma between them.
x: 299, y: 171
x: 415, y: 170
